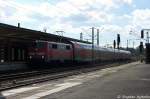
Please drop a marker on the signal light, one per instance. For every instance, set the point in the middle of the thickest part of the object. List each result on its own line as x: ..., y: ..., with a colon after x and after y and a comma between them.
x: 142, y: 34
x: 118, y: 40
x: 114, y: 44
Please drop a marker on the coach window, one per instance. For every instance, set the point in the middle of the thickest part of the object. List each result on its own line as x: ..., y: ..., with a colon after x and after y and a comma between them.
x: 68, y: 47
x: 54, y: 46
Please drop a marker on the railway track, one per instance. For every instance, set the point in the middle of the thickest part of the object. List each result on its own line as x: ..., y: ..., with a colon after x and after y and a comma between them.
x: 25, y: 74
x: 26, y: 78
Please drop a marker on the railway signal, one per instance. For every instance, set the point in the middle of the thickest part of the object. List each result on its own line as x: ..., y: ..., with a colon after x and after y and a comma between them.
x: 142, y: 34
x: 114, y: 44
x: 147, y: 34
x: 147, y: 44
x: 118, y: 40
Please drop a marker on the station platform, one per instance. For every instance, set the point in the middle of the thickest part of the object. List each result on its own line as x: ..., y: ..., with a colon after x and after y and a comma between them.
x: 129, y: 81
x: 8, y: 66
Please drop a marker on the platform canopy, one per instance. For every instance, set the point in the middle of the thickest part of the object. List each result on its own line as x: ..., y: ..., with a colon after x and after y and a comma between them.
x: 28, y: 35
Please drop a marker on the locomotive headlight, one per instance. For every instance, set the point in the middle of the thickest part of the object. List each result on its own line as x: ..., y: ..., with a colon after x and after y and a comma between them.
x: 42, y: 57
x: 30, y: 57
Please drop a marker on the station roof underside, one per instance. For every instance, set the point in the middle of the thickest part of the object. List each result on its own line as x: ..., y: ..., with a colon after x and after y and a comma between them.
x: 19, y: 33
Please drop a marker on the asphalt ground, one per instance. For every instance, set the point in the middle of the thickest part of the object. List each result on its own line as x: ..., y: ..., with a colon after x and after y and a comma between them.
x: 130, y: 81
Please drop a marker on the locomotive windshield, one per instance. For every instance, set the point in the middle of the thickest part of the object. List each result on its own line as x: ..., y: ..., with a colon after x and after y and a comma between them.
x: 40, y: 45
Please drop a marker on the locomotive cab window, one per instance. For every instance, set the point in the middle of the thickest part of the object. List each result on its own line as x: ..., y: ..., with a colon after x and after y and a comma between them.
x: 54, y: 46
x: 68, y: 48
x: 40, y: 44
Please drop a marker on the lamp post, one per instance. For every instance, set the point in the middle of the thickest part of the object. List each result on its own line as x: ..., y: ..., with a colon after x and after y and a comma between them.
x: 127, y: 44
x: 92, y: 38
x: 93, y: 45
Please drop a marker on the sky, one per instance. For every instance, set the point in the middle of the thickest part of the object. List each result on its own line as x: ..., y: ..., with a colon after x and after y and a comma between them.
x: 111, y: 17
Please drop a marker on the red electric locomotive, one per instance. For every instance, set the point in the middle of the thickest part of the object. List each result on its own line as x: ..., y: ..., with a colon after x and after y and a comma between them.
x: 47, y: 52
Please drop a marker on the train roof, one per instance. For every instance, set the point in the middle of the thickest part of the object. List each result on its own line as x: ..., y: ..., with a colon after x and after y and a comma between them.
x: 51, y: 42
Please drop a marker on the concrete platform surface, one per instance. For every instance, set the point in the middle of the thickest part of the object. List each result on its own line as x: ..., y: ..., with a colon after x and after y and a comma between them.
x: 130, y: 81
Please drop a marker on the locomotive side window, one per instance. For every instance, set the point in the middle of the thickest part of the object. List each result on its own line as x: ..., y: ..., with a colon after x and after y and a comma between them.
x: 62, y: 47
x: 49, y: 45
x: 54, y: 46
x: 67, y: 47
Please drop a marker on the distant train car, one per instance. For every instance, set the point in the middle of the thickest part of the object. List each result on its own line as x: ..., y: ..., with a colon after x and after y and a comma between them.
x: 83, y: 53
x: 75, y: 52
